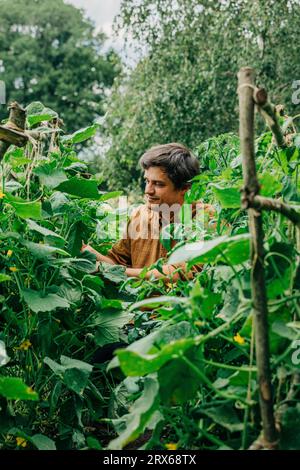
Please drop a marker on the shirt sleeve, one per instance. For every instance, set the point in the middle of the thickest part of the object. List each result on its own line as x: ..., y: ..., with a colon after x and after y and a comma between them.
x: 120, y: 253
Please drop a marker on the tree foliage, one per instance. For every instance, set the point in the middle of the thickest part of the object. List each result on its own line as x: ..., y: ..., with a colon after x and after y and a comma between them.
x: 51, y: 53
x: 184, y: 89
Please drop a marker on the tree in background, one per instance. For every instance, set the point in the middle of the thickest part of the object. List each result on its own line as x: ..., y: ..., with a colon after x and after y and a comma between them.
x: 49, y: 52
x: 184, y: 89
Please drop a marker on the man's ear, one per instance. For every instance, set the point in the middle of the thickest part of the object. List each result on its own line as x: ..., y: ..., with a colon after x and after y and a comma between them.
x: 185, y: 188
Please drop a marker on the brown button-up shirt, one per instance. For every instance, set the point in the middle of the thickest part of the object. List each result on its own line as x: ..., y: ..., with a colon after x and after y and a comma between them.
x: 140, y: 245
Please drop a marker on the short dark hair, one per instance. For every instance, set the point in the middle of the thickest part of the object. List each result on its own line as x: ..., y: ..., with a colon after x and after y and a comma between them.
x: 176, y: 160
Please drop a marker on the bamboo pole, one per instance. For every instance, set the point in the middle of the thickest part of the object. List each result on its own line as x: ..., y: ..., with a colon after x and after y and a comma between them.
x: 259, y: 296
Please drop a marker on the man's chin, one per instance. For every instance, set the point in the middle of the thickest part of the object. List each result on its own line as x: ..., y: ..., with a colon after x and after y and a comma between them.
x: 153, y: 204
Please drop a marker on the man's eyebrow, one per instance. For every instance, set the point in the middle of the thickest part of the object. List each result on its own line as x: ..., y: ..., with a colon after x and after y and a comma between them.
x: 155, y: 181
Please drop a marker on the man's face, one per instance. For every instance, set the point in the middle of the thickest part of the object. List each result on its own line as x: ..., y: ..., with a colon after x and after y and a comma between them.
x: 160, y: 189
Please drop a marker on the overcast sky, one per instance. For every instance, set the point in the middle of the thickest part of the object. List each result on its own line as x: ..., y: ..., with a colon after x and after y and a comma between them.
x: 102, y: 12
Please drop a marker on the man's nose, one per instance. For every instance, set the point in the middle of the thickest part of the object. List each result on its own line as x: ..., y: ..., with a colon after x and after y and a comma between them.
x: 149, y: 189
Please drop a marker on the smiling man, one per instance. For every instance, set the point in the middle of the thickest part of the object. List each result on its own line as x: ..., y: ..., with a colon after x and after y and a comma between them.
x: 168, y: 170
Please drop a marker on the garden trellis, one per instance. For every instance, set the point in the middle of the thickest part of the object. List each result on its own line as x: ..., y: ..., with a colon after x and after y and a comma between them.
x: 249, y: 97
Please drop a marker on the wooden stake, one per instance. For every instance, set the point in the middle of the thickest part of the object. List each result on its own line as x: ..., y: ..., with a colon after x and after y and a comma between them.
x: 12, y: 133
x: 258, y: 287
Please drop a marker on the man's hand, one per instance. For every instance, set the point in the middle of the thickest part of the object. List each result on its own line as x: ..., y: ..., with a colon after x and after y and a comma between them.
x: 99, y: 256
x: 169, y: 273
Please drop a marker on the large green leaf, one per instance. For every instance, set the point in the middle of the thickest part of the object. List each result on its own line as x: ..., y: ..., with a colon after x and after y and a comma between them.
x: 177, y: 382
x: 49, y: 175
x: 142, y: 413
x: 108, y: 325
x: 81, y: 135
x: 43, y: 230
x: 74, y: 373
x: 39, y: 302
x: 94, y: 283
x: 42, y: 251
x: 229, y: 198
x: 24, y: 209
x: 154, y: 341
x: 229, y: 250
x: 134, y: 364
x: 14, y: 388
x: 226, y: 416
x: 80, y: 187
x: 42, y: 442
x: 84, y: 264
x: 113, y: 272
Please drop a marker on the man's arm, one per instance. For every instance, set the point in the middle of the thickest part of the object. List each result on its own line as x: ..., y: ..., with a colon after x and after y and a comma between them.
x: 99, y: 256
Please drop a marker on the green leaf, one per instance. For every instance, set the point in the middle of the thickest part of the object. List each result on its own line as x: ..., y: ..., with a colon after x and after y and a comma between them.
x: 76, y: 380
x: 80, y: 187
x: 270, y: 185
x: 229, y: 250
x: 204, y: 301
x: 93, y: 443
x: 79, y: 232
x: 141, y: 415
x: 111, y: 195
x: 94, y: 283
x: 290, y: 424
x: 108, y: 326
x: 42, y: 442
x: 133, y: 364
x: 152, y: 342
x: 36, y: 112
x: 112, y: 272
x: 42, y: 230
x: 229, y: 198
x: 81, y: 135
x: 226, y: 416
x: 25, y: 210
x: 83, y: 264
x: 38, y: 302
x: 4, y: 277
x: 74, y: 373
x: 177, y: 382
x: 42, y: 251
x: 12, y: 186
x: 277, y: 329
x: 49, y: 175
x: 156, y: 301
x: 70, y: 292
x: 16, y: 158
x: 14, y: 388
